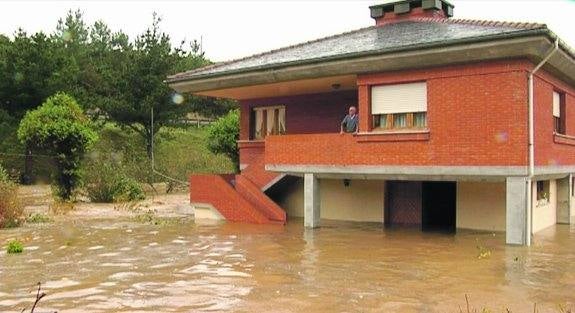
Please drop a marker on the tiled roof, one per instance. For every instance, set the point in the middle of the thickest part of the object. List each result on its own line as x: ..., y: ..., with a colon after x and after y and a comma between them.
x: 409, y: 34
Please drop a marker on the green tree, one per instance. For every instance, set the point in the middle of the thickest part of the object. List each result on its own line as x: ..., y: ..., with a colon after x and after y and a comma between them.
x: 32, y: 67
x: 59, y: 127
x: 223, y: 136
x: 136, y: 83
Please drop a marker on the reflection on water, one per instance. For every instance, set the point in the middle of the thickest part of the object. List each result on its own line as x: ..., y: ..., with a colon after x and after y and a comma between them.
x: 119, y: 266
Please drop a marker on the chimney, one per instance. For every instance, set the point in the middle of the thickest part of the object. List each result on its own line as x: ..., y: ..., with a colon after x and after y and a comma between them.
x: 402, y: 10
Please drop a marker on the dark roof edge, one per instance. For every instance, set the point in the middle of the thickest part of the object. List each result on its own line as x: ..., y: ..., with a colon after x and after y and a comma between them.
x: 518, y: 34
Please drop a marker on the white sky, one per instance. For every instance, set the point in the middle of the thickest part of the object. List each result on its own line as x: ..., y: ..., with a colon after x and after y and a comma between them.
x: 232, y: 29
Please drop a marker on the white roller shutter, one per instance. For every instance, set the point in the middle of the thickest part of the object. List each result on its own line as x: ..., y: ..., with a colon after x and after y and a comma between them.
x: 400, y: 98
x: 556, y: 104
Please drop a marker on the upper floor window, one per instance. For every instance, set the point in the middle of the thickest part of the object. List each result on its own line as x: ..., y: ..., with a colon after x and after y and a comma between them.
x: 400, y: 106
x: 268, y: 121
x: 559, y: 112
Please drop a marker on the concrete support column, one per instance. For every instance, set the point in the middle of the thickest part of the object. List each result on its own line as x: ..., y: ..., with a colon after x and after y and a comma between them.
x: 564, y: 200
x: 518, y: 211
x: 311, y: 201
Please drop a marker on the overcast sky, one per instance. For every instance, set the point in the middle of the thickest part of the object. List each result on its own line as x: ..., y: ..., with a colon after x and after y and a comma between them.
x: 232, y: 29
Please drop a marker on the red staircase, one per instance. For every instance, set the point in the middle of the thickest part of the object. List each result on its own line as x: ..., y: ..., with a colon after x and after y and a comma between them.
x: 239, y: 198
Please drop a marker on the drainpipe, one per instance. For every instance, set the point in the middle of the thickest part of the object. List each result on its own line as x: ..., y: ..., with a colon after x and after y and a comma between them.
x: 532, y: 142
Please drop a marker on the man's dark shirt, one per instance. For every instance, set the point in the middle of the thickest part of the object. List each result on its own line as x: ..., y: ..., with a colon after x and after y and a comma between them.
x: 349, y: 123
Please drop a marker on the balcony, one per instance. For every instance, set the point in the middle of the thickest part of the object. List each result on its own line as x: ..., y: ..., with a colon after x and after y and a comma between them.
x: 389, y: 148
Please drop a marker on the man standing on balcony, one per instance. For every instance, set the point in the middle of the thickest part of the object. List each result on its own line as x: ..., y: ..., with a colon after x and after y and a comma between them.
x: 350, y: 122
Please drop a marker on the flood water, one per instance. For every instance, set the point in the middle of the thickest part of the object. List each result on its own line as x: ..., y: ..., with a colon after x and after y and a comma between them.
x: 122, y: 266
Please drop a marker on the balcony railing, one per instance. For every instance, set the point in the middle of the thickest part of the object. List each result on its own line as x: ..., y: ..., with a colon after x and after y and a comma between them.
x: 397, y: 148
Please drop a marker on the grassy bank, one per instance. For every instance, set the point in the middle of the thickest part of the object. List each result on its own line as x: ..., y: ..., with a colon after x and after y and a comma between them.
x: 178, y: 153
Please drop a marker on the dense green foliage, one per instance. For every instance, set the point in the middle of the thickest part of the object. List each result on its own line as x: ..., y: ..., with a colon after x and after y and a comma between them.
x: 114, y: 78
x: 135, y: 83
x: 15, y: 246
x: 224, y: 134
x: 60, y: 128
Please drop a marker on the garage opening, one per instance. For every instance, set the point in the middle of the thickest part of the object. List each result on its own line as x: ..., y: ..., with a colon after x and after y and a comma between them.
x: 428, y: 205
x: 439, y: 201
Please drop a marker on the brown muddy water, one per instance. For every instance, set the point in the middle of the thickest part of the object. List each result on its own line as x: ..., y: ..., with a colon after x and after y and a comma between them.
x: 123, y: 266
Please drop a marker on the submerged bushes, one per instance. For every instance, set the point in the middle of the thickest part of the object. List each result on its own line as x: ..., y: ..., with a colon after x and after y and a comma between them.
x: 106, y: 180
x: 10, y: 207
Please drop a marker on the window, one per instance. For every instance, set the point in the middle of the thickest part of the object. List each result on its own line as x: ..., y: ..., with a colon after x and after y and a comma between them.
x: 400, y: 106
x: 543, y: 191
x: 559, y: 112
x: 268, y: 121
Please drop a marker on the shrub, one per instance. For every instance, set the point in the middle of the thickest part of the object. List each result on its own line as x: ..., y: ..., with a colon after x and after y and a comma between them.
x: 60, y: 128
x: 15, y: 246
x: 106, y: 181
x: 10, y: 207
x: 224, y: 134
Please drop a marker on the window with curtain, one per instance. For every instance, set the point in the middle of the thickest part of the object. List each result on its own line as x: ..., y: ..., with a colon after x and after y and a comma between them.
x: 268, y: 121
x: 399, y: 106
x: 559, y: 112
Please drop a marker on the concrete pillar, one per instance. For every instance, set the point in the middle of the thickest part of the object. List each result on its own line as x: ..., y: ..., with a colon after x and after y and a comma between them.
x: 518, y: 212
x: 564, y: 200
x: 311, y: 201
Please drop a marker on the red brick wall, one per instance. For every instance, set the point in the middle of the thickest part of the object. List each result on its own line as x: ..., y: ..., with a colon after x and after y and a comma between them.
x: 477, y: 115
x: 250, y: 152
x: 547, y: 151
x: 214, y: 189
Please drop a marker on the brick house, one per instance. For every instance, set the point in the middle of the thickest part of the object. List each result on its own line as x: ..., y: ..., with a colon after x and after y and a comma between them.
x: 463, y: 124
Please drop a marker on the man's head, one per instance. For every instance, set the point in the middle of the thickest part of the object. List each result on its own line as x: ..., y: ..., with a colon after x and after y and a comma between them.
x: 352, y: 110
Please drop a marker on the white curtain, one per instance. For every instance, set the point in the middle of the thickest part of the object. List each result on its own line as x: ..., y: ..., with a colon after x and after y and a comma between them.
x: 270, y: 121
x: 282, y: 121
x: 259, y: 123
